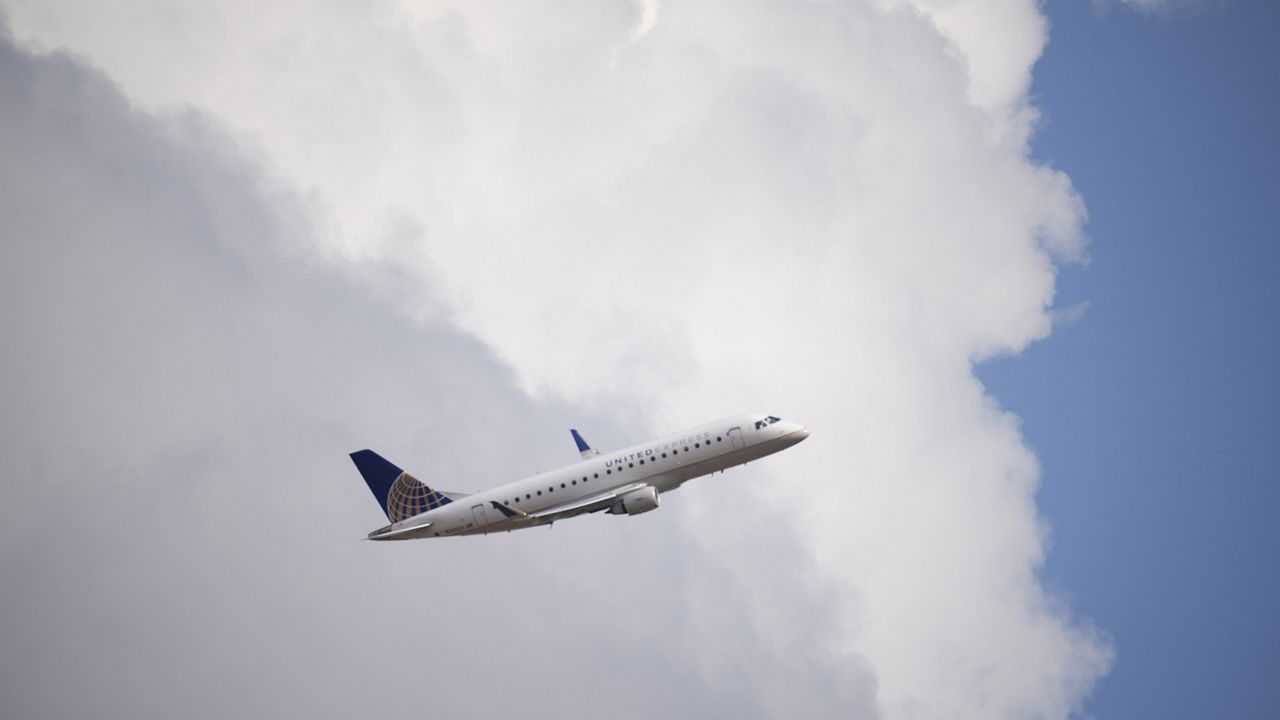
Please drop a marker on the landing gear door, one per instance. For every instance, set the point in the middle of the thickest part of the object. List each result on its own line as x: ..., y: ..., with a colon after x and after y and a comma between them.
x: 736, y: 439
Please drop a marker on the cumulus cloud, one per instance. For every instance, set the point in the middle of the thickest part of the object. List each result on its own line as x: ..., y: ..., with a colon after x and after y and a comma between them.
x: 181, y: 529
x: 826, y: 211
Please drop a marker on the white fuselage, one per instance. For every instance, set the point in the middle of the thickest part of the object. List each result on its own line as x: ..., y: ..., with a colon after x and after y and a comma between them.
x: 664, y: 464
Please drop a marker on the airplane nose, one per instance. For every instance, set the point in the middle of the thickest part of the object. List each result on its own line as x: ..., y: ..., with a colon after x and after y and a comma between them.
x: 801, y: 434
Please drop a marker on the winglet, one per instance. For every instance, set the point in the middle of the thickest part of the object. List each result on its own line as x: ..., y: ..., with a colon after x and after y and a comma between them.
x: 586, y: 450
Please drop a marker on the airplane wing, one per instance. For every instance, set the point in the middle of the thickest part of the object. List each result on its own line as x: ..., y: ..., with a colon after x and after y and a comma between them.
x: 589, y: 504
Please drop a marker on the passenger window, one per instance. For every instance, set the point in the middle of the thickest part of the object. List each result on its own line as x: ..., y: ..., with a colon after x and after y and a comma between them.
x: 642, y: 462
x: 596, y: 475
x: 539, y: 492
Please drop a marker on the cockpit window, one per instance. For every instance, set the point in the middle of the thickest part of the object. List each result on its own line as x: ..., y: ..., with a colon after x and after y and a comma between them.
x: 767, y: 421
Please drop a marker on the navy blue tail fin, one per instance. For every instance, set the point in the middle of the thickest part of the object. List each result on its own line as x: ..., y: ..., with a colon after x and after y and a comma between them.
x: 400, y: 494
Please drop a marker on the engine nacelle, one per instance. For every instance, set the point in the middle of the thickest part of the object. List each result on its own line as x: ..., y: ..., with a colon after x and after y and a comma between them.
x: 640, y: 500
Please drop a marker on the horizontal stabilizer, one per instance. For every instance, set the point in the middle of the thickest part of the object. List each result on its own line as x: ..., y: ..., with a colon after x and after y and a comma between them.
x: 391, y: 532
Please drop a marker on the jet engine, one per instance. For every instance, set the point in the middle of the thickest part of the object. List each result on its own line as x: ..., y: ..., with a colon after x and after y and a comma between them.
x: 640, y: 500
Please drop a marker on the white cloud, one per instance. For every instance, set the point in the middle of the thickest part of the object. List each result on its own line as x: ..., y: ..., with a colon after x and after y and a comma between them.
x: 648, y: 18
x: 179, y: 530
x: 1149, y: 6
x: 826, y: 211
x: 1070, y: 316
x: 1158, y: 7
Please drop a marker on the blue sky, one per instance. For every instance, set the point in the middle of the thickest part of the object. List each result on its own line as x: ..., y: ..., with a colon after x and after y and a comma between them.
x: 1155, y: 417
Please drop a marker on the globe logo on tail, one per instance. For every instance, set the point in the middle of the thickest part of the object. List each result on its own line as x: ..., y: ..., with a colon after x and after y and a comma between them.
x: 408, y: 497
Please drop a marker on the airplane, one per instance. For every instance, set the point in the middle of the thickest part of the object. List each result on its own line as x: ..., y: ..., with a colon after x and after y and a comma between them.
x: 626, y: 482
